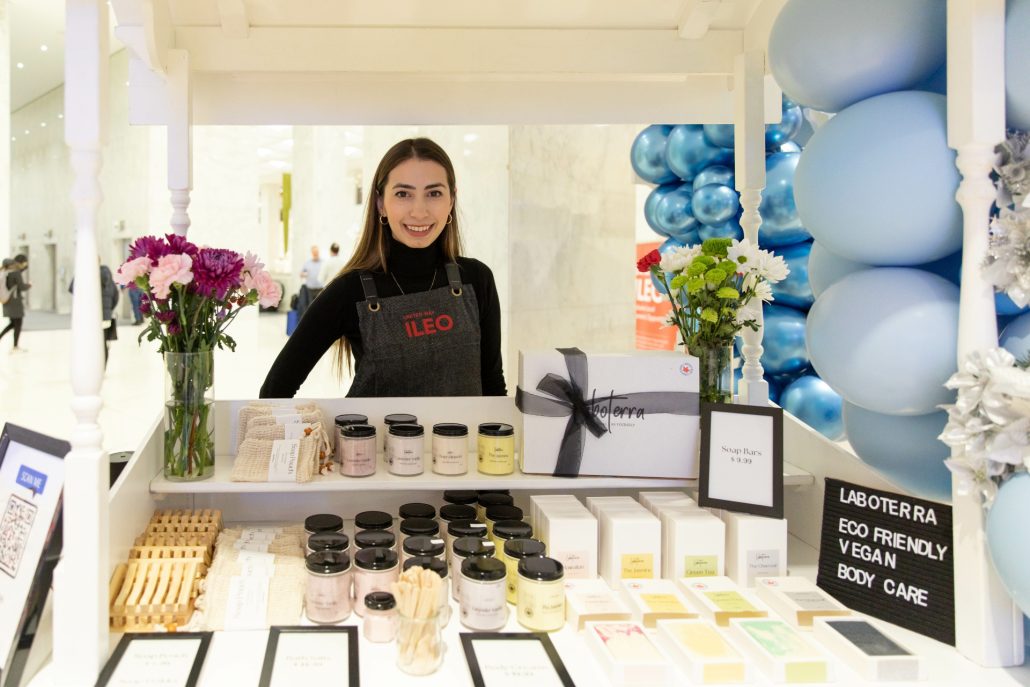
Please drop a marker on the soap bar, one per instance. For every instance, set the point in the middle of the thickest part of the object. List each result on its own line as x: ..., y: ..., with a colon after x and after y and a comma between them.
x: 693, y: 543
x: 868, y: 651
x: 779, y: 651
x: 755, y: 547
x: 702, y: 652
x: 592, y: 601
x: 797, y: 600
x: 653, y: 600
x: 627, y: 655
x: 719, y: 600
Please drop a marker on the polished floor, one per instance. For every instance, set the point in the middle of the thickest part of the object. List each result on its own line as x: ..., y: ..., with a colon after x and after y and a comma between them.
x: 37, y: 391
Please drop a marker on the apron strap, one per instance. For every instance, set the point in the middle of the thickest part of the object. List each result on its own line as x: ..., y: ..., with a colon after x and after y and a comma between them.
x: 454, y: 278
x: 368, y: 285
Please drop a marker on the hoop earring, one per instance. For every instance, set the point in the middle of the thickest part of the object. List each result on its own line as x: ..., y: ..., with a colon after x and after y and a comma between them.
x: 449, y: 218
x: 383, y: 220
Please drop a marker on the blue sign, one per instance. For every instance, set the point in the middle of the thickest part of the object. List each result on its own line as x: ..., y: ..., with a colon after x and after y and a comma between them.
x: 32, y: 480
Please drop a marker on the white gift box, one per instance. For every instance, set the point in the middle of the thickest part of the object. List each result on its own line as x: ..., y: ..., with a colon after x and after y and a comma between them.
x: 693, y: 543
x: 592, y: 601
x: 639, y: 413
x: 779, y: 651
x: 720, y: 600
x: 654, y: 600
x: 627, y: 655
x: 868, y: 651
x: 797, y: 600
x: 702, y: 652
x: 755, y: 547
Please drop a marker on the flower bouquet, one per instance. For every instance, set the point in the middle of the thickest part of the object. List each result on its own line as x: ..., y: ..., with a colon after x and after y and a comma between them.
x: 190, y: 295
x: 710, y: 287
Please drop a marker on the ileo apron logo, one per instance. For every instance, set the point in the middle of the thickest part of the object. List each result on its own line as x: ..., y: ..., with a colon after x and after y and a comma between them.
x: 427, y: 323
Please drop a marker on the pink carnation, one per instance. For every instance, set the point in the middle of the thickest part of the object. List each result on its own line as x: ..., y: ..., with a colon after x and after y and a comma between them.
x: 131, y: 270
x: 251, y: 268
x: 268, y: 291
x: 170, y: 269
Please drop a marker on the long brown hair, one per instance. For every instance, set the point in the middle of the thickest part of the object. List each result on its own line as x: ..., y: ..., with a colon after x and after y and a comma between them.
x: 372, y: 253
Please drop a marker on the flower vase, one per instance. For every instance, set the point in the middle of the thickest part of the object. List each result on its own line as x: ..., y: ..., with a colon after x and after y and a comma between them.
x: 189, y: 447
x: 715, y: 368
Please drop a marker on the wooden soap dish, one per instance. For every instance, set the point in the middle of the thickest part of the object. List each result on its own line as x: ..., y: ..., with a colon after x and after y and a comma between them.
x: 154, y: 591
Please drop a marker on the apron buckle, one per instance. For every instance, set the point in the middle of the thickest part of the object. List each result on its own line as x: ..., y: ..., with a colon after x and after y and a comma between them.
x: 374, y: 307
x: 456, y: 292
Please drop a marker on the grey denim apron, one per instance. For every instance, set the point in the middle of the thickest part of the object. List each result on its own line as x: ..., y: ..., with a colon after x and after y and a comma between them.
x: 419, y: 344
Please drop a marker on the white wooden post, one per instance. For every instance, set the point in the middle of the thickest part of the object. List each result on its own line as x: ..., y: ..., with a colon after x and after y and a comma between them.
x: 749, y: 148
x: 5, y: 127
x: 988, y: 626
x: 81, y: 577
x: 180, y: 138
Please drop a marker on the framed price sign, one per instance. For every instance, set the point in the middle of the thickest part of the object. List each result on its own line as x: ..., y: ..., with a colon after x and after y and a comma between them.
x: 742, y: 459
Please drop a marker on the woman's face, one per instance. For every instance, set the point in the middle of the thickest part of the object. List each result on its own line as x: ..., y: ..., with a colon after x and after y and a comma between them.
x: 416, y: 201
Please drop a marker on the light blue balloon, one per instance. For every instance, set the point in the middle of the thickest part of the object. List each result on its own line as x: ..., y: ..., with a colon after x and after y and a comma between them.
x: 783, y: 340
x: 1004, y: 306
x: 1017, y: 57
x: 826, y: 268
x: 785, y: 130
x: 1015, y: 338
x: 885, y: 339
x: 876, y: 184
x: 949, y: 267
x: 716, y: 174
x: 720, y: 135
x: 789, y: 147
x: 904, y: 449
x: 651, y: 205
x: 1006, y: 538
x: 729, y: 229
x: 647, y: 155
x: 715, y: 204
x: 688, y: 152
x: 829, y: 54
x: 781, y: 224
x: 812, y: 401
x: 674, y: 215
x: 936, y: 82
x: 795, y: 290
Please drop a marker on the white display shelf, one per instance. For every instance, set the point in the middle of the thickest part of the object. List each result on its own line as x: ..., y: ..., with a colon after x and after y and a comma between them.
x: 220, y: 482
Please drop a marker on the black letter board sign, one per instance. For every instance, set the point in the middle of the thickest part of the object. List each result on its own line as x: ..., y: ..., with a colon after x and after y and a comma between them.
x: 889, y: 556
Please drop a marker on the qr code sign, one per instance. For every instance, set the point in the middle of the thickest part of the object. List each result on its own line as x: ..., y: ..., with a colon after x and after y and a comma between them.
x: 14, y: 533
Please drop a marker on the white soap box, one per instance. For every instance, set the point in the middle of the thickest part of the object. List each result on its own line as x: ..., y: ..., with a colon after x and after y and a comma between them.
x: 654, y: 501
x: 570, y: 534
x: 702, y: 652
x: 627, y: 655
x: 592, y: 601
x: 797, y: 600
x: 653, y: 600
x: 693, y: 543
x: 719, y: 600
x: 631, y: 545
x: 779, y: 651
x: 755, y: 547
x: 869, y: 652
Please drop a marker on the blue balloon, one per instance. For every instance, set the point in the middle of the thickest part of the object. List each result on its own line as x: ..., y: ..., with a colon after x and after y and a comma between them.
x: 1006, y: 538
x: 720, y: 135
x: 826, y: 268
x: 1015, y: 338
x: 781, y: 225
x: 785, y: 130
x: 812, y: 401
x: 783, y: 340
x: 829, y: 54
x: 885, y: 339
x: 949, y: 267
x: 789, y: 147
x: 730, y: 229
x: 1017, y: 56
x: 651, y: 205
x: 714, y: 204
x: 674, y: 215
x: 647, y: 155
x: 876, y: 184
x: 1004, y: 306
x: 688, y: 152
x: 936, y: 82
x: 904, y: 449
x: 716, y: 174
x: 795, y: 290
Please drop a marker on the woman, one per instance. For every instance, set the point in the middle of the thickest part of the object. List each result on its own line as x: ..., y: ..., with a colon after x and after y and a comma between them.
x: 14, y: 308
x: 419, y: 319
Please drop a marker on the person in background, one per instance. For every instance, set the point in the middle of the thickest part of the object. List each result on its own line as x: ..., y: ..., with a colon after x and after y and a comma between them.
x: 332, y: 265
x: 108, y: 300
x: 136, y: 298
x: 14, y: 308
x: 312, y: 285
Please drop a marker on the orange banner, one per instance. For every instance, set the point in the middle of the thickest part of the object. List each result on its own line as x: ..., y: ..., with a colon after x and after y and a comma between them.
x: 653, y: 334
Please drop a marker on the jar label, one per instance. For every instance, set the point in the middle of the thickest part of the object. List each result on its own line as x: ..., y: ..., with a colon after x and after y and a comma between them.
x: 358, y: 457
x: 541, y: 606
x: 483, y: 605
x: 637, y: 566
x: 496, y: 456
x: 283, y: 465
x: 700, y: 566
x: 406, y: 458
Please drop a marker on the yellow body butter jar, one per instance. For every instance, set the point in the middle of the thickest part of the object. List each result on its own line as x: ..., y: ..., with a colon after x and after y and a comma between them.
x: 514, y: 551
x: 541, y: 594
x: 496, y: 448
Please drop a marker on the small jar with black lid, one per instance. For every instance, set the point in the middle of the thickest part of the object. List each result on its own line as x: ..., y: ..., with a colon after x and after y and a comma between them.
x: 491, y: 498
x: 429, y: 547
x: 414, y: 527
x: 482, y: 592
x: 496, y: 513
x: 342, y: 421
x: 465, y: 497
x: 450, y: 447
x: 496, y: 448
x: 370, y: 539
x: 356, y: 450
x: 513, y: 551
x: 327, y: 593
x: 405, y: 446
x: 464, y: 548
x: 380, y: 623
x: 374, y: 570
x: 506, y: 530
x: 461, y: 528
x: 373, y: 520
x: 453, y: 512
x: 391, y: 420
x: 541, y: 594
x: 417, y: 510
x: 322, y: 522
x: 440, y: 568
x: 327, y: 541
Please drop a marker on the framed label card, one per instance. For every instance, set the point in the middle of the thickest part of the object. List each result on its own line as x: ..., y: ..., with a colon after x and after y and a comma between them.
x: 513, y: 659
x: 172, y: 659
x: 742, y: 459
x: 310, y: 655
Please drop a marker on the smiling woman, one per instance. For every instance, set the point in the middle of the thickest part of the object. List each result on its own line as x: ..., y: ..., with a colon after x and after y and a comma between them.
x: 418, y: 318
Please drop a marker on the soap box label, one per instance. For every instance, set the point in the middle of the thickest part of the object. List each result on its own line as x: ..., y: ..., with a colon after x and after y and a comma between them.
x: 701, y: 566
x: 637, y: 566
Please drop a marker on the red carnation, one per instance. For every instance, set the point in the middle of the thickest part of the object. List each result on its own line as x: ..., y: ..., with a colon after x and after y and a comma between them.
x: 653, y: 258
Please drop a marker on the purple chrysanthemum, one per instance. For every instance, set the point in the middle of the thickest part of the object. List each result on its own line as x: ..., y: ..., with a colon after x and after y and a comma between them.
x: 216, y: 271
x: 144, y: 304
x: 149, y: 247
x: 174, y: 328
x: 179, y: 244
x: 165, y: 316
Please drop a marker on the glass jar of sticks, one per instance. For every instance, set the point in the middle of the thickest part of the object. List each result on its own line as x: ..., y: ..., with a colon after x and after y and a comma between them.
x: 420, y: 647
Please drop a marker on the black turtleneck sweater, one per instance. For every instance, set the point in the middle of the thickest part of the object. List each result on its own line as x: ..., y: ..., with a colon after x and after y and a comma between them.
x: 333, y: 314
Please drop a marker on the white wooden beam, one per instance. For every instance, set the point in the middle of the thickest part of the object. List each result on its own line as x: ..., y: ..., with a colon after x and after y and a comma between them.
x: 988, y: 626
x: 696, y: 18
x: 145, y: 26
x: 233, y: 15
x: 180, y: 139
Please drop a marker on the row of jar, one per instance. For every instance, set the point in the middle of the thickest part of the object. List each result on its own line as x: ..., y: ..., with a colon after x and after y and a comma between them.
x: 404, y: 447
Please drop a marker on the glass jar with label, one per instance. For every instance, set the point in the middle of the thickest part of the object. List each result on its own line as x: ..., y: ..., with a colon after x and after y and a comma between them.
x: 373, y: 520
x: 491, y: 498
x: 370, y: 539
x: 391, y: 420
x: 327, y: 593
x: 455, y: 512
x: 322, y: 522
x: 463, y: 549
x: 327, y: 541
x: 380, y: 624
x: 342, y: 421
x: 374, y: 570
x: 356, y: 450
x: 482, y: 594
x: 463, y: 497
x: 440, y: 568
x: 417, y: 510
x: 496, y: 448
x: 414, y: 527
x: 430, y: 547
x: 541, y: 594
x: 506, y: 530
x: 450, y: 446
x: 495, y: 513
x: 405, y: 448
x: 461, y: 528
x: 515, y: 550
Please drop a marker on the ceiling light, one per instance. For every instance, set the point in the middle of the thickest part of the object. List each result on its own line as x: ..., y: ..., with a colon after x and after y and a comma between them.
x: 42, y: 124
x: 20, y: 65
x: 471, y: 138
x: 14, y: 138
x: 60, y: 115
x: 43, y: 48
x: 26, y: 132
